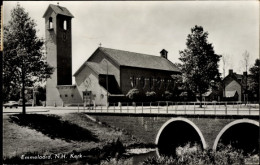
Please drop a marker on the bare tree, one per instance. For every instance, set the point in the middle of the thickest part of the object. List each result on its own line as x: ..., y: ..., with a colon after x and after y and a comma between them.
x: 226, y: 62
x: 246, y: 57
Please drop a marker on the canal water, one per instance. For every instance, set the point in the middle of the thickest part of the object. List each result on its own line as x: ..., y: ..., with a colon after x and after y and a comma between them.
x: 140, y: 158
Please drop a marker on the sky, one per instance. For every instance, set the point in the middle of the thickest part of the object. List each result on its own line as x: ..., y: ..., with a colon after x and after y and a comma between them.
x: 150, y: 26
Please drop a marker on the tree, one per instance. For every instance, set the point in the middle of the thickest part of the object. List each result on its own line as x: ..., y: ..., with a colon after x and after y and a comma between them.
x: 254, y: 81
x: 200, y: 63
x: 245, y: 62
x: 23, y: 56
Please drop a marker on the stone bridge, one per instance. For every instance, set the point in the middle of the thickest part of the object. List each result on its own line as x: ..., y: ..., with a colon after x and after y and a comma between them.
x: 172, y: 130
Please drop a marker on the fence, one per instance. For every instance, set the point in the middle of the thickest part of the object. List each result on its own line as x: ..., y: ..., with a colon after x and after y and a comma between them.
x: 168, y: 107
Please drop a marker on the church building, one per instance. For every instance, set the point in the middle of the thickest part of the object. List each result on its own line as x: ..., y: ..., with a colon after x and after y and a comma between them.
x: 106, y: 76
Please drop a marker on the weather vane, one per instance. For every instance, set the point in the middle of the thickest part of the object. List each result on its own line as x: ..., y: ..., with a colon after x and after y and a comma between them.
x: 100, y: 44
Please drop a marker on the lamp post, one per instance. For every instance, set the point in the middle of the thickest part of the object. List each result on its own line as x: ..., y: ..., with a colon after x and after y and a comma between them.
x: 107, y: 81
x: 22, y: 53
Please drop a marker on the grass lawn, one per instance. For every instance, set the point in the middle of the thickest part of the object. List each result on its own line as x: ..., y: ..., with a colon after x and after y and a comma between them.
x: 52, y: 134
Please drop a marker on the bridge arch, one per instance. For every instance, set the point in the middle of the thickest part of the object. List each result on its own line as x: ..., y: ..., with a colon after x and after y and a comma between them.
x: 232, y: 124
x: 180, y: 119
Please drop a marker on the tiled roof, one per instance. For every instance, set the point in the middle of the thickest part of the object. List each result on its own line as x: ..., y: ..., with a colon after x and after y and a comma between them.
x: 59, y: 10
x: 96, y: 67
x: 126, y: 58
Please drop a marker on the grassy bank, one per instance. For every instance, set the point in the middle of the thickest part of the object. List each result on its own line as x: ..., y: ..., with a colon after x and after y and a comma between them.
x: 66, y: 134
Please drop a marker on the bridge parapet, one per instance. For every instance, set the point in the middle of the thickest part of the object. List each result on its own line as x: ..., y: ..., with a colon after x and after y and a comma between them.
x: 187, y: 108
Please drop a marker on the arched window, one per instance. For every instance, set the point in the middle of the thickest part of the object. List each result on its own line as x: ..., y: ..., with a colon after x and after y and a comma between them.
x: 50, y: 23
x: 150, y: 82
x: 65, y: 25
x: 142, y: 82
x: 158, y: 82
x: 134, y: 81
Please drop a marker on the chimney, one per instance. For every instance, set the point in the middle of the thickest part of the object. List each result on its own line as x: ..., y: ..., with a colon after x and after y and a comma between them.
x: 230, y: 71
x: 164, y: 53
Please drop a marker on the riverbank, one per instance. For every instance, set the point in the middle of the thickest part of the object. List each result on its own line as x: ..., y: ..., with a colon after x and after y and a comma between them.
x: 62, y: 138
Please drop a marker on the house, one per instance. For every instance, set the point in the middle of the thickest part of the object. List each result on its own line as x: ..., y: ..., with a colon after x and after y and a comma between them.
x: 234, y: 86
x: 107, y: 75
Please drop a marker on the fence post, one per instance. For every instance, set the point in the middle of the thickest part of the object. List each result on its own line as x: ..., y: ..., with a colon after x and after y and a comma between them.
x: 142, y: 107
x: 101, y: 108
x: 185, y: 108
x: 194, y: 108
x: 158, y: 107
x: 249, y: 110
x: 135, y: 108
x: 114, y: 108
x: 150, y: 107
x: 167, y: 107
x: 176, y: 105
x: 215, y: 109
x: 127, y: 107
x: 205, y: 109
x: 226, y: 108
x: 237, y: 109
x: 78, y: 107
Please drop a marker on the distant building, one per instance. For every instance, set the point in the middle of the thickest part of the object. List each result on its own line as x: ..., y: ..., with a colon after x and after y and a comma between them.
x: 234, y: 86
x: 124, y: 70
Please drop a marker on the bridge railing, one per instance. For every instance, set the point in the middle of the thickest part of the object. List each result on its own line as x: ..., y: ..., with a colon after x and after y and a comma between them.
x: 169, y: 107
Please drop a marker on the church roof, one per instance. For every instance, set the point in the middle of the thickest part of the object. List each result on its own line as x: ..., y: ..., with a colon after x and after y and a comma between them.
x: 131, y: 59
x: 58, y: 10
x: 96, y: 67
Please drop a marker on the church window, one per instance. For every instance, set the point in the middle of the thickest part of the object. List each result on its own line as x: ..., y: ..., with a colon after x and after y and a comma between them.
x: 134, y: 81
x: 66, y: 95
x: 158, y: 81
x: 150, y: 82
x: 65, y: 25
x: 50, y: 23
x: 142, y: 82
x: 72, y: 95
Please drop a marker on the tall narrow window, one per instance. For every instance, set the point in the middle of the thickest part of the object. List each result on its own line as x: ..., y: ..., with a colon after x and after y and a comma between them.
x: 50, y: 23
x: 150, y: 82
x: 65, y: 25
x: 142, y: 83
x: 134, y: 81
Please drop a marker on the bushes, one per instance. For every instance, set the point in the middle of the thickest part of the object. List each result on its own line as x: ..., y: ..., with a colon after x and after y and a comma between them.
x: 225, y: 156
x: 133, y: 93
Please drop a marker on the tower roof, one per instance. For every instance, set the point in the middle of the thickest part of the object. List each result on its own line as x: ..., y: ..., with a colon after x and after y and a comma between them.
x: 58, y: 10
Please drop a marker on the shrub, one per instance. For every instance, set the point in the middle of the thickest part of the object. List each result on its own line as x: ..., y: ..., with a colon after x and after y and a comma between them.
x: 133, y: 93
x: 224, y: 156
x: 168, y: 95
x: 150, y: 94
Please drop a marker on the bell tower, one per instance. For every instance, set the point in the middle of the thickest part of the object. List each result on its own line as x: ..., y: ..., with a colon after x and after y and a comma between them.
x: 58, y: 49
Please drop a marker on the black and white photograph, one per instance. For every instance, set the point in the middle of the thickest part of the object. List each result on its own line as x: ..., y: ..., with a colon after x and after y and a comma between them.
x: 130, y: 82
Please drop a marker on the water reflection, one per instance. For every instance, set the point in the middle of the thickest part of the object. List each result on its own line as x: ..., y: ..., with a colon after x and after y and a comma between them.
x: 139, y: 159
